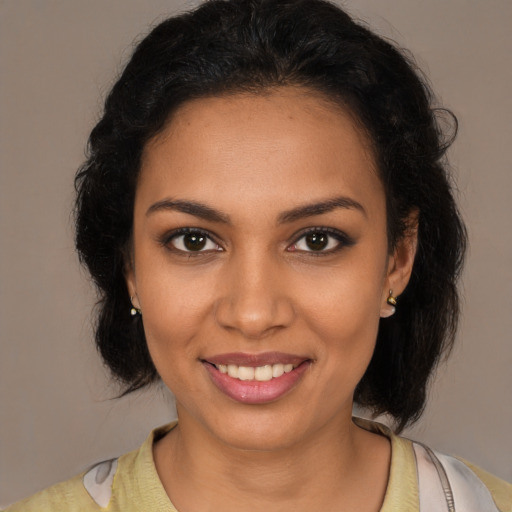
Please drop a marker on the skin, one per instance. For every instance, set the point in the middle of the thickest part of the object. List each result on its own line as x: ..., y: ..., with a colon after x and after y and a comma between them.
x: 259, y: 287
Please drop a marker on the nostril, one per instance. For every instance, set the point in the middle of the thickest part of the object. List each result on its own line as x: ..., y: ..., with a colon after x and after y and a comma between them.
x: 254, y: 317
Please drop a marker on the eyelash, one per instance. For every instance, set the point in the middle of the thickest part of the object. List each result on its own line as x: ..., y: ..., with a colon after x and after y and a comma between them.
x: 342, y: 238
x: 175, y: 234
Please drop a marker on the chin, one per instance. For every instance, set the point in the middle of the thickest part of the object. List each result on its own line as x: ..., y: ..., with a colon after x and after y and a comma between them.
x: 257, y: 428
x: 260, y: 439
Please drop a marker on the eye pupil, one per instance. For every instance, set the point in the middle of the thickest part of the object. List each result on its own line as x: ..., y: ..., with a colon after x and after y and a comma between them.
x: 194, y: 241
x: 317, y: 241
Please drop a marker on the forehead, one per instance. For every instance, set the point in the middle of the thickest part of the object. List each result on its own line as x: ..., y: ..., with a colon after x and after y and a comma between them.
x: 285, y: 146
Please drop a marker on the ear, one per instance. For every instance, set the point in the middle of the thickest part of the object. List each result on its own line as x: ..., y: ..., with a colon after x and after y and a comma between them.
x: 401, y: 260
x: 129, y: 275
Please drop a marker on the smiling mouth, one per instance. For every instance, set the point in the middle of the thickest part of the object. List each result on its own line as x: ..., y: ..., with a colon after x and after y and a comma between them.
x: 256, y: 379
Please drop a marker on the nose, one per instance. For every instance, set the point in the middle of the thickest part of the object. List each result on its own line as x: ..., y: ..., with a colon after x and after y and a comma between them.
x: 255, y: 299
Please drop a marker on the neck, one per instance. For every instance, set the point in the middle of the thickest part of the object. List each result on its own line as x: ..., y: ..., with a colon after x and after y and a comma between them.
x: 331, y: 469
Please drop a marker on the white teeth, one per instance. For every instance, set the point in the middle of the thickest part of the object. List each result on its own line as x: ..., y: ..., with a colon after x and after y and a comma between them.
x: 263, y: 372
x: 260, y: 373
x: 277, y: 370
x: 245, y: 373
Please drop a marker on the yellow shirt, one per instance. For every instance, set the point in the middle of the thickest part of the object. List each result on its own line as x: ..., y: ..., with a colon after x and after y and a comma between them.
x: 131, y: 483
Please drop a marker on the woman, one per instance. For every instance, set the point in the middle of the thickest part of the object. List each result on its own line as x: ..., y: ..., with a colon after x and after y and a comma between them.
x: 266, y: 213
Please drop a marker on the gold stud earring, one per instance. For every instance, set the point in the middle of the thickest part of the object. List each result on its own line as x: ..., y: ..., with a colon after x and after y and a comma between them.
x: 386, y: 312
x: 391, y: 300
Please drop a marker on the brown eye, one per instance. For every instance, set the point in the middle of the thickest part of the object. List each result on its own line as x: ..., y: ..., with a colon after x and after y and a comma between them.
x: 321, y: 241
x: 192, y: 241
x: 317, y: 241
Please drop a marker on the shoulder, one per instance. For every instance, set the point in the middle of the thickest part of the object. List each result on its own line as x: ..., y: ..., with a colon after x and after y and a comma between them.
x: 68, y: 496
x: 429, y: 481
x: 499, y: 488
x: 115, y: 483
x: 90, y: 491
x: 464, y: 485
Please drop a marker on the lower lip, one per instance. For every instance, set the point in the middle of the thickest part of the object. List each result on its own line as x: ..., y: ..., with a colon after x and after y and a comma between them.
x: 254, y: 391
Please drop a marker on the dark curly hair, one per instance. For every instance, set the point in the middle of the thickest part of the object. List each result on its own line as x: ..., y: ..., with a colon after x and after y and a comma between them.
x: 227, y: 46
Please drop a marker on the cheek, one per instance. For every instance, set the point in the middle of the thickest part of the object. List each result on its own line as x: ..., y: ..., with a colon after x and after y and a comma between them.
x: 345, y: 311
x: 348, y: 293
x: 348, y: 335
x: 173, y: 294
x: 176, y: 306
x: 348, y: 328
x: 173, y: 321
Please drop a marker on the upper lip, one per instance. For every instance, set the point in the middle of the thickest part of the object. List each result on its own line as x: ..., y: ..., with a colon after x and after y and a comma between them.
x: 254, y: 360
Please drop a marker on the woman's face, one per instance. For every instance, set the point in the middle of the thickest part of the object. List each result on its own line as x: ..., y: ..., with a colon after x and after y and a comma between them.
x: 260, y: 247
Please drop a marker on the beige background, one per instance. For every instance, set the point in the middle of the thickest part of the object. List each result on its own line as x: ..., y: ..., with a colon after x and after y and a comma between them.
x: 58, y: 59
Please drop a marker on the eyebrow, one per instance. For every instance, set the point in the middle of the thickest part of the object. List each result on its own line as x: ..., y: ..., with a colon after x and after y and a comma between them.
x: 206, y: 212
x: 329, y: 205
x: 192, y: 208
